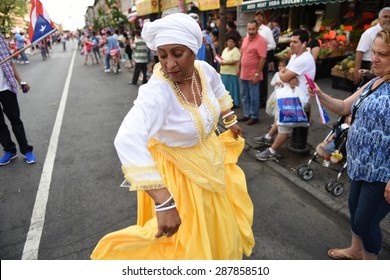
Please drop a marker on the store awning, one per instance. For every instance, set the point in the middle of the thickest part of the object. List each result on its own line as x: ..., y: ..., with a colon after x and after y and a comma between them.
x: 254, y: 5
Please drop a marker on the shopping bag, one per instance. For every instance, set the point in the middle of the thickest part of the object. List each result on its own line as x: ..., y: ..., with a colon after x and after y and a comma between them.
x: 291, y: 111
x: 271, y: 105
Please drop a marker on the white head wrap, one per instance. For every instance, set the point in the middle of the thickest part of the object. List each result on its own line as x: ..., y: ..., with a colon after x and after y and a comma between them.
x: 176, y: 28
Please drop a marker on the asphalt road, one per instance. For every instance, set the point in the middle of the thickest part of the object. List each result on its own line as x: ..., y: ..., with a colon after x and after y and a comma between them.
x: 58, y: 208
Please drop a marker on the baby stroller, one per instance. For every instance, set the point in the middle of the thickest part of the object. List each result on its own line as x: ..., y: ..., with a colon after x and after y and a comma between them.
x: 333, y: 186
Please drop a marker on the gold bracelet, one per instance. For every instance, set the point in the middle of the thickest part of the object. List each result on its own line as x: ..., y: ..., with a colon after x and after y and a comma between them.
x: 231, y: 121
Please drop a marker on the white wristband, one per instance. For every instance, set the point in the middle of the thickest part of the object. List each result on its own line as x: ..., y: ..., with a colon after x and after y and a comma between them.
x: 165, y: 202
x: 165, y: 208
x: 229, y: 125
x: 228, y: 114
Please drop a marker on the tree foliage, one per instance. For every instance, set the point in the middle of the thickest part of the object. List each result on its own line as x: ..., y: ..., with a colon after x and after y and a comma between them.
x: 113, y: 19
x: 9, y: 10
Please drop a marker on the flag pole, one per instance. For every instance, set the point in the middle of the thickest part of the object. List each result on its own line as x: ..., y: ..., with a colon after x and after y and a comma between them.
x: 15, y: 54
x: 26, y: 47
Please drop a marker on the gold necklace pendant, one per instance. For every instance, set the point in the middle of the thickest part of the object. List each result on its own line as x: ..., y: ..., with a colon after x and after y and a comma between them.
x: 210, y: 118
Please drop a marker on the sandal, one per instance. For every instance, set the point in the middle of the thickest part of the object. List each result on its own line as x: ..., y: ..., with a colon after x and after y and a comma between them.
x: 340, y: 255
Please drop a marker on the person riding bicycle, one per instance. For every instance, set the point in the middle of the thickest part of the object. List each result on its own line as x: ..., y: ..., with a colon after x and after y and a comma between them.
x: 111, y: 43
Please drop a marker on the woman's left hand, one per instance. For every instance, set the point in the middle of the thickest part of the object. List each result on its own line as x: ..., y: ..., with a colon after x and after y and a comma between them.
x: 237, y: 130
x: 387, y: 192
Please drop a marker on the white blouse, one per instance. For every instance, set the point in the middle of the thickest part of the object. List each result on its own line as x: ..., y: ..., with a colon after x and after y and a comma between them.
x: 158, y: 113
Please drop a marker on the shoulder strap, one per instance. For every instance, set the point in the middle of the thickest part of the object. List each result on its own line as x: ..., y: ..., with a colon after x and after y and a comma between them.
x: 365, y: 93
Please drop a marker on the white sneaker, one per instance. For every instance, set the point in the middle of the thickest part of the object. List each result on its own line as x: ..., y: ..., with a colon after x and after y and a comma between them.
x: 120, y: 70
x: 27, y: 62
x: 107, y: 70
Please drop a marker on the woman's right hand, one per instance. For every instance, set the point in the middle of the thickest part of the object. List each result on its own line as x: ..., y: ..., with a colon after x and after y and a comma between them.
x: 168, y: 222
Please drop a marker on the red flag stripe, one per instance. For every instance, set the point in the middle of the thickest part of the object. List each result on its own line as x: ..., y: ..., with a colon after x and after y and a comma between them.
x: 36, y: 10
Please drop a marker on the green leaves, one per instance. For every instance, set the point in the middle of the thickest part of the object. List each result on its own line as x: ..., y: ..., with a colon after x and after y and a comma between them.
x: 9, y: 10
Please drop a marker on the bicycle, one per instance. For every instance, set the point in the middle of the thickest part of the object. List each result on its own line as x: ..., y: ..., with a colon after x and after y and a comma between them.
x: 115, y: 60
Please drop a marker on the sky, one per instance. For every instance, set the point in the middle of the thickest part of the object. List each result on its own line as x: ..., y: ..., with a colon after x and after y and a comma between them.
x: 68, y: 12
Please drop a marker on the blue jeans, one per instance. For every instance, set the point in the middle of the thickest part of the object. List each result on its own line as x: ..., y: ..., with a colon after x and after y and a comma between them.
x: 108, y: 57
x: 250, y: 99
x: 368, y: 208
x: 23, y: 56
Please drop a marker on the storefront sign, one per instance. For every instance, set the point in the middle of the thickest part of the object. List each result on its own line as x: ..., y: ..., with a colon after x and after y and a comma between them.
x: 233, y: 3
x: 207, y: 5
x: 251, y: 6
x: 147, y: 7
x: 168, y: 4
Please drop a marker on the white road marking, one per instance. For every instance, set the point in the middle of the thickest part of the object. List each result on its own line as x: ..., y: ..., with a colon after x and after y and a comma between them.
x: 31, y: 247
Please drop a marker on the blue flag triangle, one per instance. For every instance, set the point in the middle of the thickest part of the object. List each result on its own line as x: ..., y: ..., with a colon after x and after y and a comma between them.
x: 325, y: 116
x: 42, y: 29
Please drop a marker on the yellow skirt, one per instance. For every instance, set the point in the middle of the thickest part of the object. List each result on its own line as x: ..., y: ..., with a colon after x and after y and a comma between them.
x: 214, y: 225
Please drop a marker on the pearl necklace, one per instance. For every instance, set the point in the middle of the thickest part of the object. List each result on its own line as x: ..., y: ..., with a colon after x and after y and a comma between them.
x: 184, y: 100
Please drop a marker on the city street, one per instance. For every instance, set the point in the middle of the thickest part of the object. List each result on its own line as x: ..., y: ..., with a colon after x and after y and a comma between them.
x: 59, y: 208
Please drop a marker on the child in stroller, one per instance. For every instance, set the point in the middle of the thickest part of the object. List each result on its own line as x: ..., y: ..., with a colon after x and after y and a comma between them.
x: 333, y: 147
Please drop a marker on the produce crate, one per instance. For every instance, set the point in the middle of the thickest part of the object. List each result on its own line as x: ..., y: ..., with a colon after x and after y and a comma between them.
x: 343, y: 81
x: 325, y: 65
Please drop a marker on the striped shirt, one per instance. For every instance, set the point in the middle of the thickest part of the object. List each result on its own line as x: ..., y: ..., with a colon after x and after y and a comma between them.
x: 7, y: 67
x: 140, y: 51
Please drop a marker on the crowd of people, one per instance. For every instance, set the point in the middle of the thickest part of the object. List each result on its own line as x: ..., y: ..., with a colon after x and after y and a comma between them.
x: 190, y: 188
x: 119, y: 48
x: 166, y: 176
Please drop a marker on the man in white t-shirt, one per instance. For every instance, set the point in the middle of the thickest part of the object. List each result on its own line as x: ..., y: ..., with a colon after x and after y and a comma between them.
x: 301, y: 62
x: 363, y: 50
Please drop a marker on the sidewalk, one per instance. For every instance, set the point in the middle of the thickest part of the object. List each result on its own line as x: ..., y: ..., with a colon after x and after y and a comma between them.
x: 290, y: 161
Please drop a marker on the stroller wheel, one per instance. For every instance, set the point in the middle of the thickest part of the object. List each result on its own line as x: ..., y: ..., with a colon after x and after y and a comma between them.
x: 301, y: 169
x: 330, y: 185
x: 307, y: 174
x: 338, y: 189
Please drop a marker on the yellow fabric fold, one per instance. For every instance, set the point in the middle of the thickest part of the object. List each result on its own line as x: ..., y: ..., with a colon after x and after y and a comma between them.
x: 214, y: 225
x: 195, y: 162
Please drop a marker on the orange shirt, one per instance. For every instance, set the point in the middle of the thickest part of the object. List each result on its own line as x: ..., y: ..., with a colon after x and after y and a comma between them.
x: 252, y: 49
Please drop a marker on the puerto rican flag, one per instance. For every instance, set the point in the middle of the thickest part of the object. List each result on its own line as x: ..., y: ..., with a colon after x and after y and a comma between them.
x: 40, y: 22
x: 323, y: 115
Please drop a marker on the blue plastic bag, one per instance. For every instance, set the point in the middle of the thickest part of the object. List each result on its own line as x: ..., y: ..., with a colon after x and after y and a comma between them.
x: 291, y: 111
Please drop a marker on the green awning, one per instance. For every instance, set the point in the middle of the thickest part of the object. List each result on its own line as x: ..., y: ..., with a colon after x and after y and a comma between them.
x: 254, y: 5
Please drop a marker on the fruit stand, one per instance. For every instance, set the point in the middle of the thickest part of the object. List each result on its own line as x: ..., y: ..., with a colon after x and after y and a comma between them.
x: 337, y: 45
x: 342, y: 74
